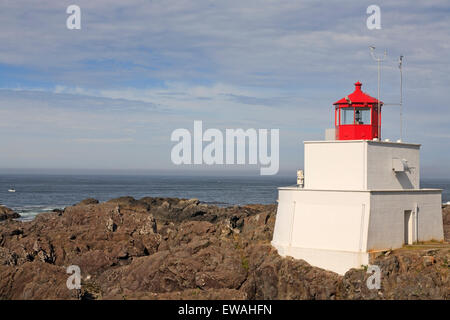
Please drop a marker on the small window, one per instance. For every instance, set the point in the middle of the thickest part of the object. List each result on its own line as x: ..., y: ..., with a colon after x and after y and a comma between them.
x: 362, y: 115
x: 347, y: 115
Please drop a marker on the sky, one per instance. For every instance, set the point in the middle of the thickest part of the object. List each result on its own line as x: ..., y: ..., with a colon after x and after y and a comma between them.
x: 108, y: 96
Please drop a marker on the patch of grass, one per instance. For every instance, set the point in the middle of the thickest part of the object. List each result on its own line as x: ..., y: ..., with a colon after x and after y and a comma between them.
x: 425, y: 245
x: 446, y: 264
x: 244, y: 263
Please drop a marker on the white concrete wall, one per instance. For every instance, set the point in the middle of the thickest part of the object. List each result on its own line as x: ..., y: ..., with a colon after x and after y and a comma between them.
x: 284, y: 220
x: 329, y: 220
x: 386, y: 226
x: 336, y: 261
x: 353, y: 203
x: 328, y: 229
x: 380, y: 175
x: 335, y: 165
x: 335, y: 230
x: 360, y: 165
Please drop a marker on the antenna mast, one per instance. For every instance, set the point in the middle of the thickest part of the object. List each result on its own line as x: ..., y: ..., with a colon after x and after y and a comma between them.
x: 378, y: 60
x: 400, y: 62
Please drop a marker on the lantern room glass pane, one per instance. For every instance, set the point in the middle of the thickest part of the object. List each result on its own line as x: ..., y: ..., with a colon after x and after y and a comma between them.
x: 362, y: 115
x: 347, y: 115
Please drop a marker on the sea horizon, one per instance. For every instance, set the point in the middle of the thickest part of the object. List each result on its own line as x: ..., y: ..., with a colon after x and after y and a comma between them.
x: 37, y: 193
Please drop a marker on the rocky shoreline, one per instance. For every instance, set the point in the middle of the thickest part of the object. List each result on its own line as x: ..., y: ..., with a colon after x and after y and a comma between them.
x: 7, y: 214
x: 167, y: 248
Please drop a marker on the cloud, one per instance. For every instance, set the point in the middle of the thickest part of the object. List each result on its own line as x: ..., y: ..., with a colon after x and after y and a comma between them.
x: 139, y: 69
x: 99, y: 140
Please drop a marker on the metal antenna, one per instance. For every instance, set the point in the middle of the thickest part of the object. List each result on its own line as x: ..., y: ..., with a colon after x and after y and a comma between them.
x: 400, y: 62
x: 378, y: 60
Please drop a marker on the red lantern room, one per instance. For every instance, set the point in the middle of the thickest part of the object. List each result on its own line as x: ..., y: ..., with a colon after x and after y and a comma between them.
x: 357, y: 116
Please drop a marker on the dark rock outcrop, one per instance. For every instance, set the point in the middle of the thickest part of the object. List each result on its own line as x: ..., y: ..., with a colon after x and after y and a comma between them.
x: 168, y: 248
x: 6, y: 213
x: 87, y: 201
x: 446, y: 219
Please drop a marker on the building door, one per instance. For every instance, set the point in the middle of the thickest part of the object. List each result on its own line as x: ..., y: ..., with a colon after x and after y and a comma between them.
x: 408, y: 225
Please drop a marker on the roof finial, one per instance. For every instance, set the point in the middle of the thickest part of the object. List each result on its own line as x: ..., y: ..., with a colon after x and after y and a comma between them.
x: 358, y: 85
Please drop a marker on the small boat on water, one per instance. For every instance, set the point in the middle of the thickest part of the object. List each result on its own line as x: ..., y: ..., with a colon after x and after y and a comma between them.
x: 11, y: 190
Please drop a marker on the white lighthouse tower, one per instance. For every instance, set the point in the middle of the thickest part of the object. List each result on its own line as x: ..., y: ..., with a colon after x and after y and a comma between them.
x: 358, y: 194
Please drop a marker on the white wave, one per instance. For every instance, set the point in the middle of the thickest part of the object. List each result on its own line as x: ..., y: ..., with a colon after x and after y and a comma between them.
x: 29, y: 212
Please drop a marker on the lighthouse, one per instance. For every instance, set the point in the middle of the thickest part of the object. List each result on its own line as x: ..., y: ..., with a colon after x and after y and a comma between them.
x: 358, y: 194
x: 357, y: 116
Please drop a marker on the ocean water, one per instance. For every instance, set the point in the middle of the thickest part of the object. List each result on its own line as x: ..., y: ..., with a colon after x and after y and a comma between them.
x: 40, y: 193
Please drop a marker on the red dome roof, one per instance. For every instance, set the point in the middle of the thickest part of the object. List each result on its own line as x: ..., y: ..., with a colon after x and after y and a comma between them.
x: 357, y: 97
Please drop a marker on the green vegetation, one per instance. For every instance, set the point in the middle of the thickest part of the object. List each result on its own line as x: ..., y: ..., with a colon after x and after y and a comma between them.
x: 244, y: 263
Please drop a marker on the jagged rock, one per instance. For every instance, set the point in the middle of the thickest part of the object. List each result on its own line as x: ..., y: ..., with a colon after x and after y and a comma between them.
x: 110, y: 225
x: 35, y: 280
x: 87, y: 201
x: 446, y: 219
x: 169, y: 248
x: 428, y: 261
x: 6, y: 213
x: 148, y: 226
